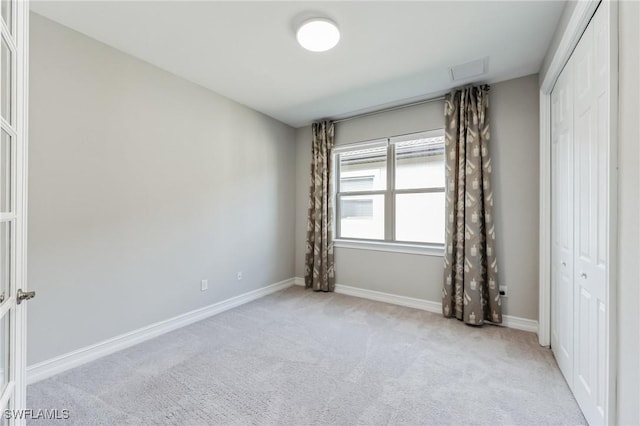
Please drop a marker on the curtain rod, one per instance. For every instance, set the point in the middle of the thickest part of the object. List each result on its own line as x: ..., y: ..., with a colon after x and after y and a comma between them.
x: 380, y: 111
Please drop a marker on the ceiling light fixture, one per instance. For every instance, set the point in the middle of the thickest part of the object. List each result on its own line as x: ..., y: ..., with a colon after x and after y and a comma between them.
x: 318, y: 34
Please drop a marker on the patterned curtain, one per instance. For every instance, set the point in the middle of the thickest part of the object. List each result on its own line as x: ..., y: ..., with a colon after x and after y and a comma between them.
x: 319, y: 272
x: 471, y: 291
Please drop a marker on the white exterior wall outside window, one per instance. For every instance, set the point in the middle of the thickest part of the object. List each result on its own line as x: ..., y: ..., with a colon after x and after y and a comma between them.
x: 392, y: 190
x: 362, y: 216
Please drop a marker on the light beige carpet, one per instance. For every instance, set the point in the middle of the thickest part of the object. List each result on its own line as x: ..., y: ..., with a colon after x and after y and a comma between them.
x: 302, y: 358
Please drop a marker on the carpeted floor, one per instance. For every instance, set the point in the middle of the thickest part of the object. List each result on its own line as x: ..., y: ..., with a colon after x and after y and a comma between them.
x: 301, y: 358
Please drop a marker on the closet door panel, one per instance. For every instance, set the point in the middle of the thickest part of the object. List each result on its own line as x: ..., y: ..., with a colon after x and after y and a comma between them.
x: 562, y: 223
x: 592, y: 144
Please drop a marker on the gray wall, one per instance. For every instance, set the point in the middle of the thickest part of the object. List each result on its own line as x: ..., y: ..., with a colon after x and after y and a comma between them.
x: 141, y: 184
x: 514, y: 147
x: 629, y: 216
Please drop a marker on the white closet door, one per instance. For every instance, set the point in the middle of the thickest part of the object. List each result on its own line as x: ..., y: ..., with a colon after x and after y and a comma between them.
x: 582, y: 202
x: 562, y: 223
x: 591, y: 202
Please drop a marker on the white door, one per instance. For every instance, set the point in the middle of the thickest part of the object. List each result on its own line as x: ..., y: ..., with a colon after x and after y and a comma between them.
x: 562, y: 222
x: 591, y: 199
x: 581, y: 211
x: 13, y: 157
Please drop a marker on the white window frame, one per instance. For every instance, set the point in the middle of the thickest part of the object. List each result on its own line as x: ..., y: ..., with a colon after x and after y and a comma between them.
x: 389, y: 244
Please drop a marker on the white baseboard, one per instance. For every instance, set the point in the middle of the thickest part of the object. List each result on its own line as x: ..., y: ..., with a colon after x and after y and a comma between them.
x: 520, y: 323
x: 51, y: 367
x: 410, y: 302
x: 425, y: 305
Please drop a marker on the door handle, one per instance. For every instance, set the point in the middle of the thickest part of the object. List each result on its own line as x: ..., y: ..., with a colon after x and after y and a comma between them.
x: 583, y: 275
x: 24, y: 295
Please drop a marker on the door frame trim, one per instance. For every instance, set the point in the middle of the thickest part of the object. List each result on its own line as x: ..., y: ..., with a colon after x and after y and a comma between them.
x: 576, y: 26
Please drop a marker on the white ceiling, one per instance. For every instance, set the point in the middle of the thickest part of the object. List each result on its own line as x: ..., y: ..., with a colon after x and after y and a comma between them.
x: 390, y: 52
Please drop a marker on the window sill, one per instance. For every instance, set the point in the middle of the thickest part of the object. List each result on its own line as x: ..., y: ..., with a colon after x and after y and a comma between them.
x: 419, y: 249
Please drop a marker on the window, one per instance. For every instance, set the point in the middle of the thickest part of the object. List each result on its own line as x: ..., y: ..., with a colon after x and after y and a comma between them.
x: 392, y: 190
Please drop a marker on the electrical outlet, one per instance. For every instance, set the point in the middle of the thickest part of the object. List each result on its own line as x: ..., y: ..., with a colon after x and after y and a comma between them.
x: 503, y: 290
x: 204, y: 285
x: 239, y: 276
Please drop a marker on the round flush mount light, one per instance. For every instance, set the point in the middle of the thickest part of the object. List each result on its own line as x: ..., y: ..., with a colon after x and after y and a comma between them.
x: 318, y: 34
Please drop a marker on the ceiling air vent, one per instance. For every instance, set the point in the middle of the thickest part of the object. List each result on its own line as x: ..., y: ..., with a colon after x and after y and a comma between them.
x: 469, y: 70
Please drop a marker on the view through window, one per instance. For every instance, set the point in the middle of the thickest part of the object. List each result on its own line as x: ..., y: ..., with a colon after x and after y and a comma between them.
x: 392, y: 189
